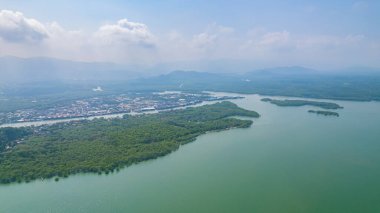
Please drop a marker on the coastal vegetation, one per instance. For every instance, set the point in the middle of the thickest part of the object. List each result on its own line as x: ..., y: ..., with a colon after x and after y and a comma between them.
x: 296, y: 103
x: 106, y: 145
x: 9, y: 136
x: 325, y: 113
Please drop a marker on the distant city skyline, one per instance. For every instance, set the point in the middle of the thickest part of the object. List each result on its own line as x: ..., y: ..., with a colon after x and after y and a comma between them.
x: 195, y: 34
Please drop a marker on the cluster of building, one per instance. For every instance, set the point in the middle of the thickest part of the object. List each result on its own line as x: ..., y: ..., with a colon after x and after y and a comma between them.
x: 112, y: 104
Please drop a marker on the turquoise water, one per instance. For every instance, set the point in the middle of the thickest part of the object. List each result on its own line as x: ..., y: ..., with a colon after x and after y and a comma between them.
x: 288, y: 161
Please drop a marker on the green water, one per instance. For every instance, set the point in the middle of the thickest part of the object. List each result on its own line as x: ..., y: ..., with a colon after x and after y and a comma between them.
x: 288, y: 161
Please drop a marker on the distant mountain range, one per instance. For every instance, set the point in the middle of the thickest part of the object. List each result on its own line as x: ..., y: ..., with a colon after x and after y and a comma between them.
x: 282, y: 81
x: 15, y: 69
x: 70, y: 77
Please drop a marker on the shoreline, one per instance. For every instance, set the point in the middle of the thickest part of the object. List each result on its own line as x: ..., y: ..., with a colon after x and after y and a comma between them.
x: 216, y: 93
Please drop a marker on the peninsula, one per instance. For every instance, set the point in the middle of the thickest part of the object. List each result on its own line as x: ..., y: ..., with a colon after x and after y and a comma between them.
x: 105, y: 145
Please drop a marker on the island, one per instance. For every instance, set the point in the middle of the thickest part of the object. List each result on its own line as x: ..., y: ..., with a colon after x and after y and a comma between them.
x: 106, y: 145
x: 325, y: 113
x: 296, y: 103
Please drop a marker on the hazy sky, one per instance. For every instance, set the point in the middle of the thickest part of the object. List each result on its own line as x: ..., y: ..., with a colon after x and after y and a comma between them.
x: 320, y: 34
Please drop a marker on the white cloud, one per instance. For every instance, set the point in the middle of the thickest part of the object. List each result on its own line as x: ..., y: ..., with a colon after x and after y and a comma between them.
x: 133, y: 42
x: 203, y: 40
x: 225, y: 30
x: 15, y: 27
x: 260, y: 41
x: 126, y: 32
x: 212, y: 36
x: 124, y: 41
x: 274, y: 38
x: 329, y: 41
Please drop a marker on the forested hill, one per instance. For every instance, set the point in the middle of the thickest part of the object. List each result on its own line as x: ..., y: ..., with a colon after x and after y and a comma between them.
x: 283, y: 81
x: 103, y: 146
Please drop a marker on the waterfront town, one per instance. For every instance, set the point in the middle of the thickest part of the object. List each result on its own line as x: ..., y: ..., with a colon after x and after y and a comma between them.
x: 112, y: 104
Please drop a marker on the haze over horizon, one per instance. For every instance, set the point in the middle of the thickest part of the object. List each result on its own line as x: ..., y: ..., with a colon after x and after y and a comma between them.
x: 213, y: 106
x: 171, y: 35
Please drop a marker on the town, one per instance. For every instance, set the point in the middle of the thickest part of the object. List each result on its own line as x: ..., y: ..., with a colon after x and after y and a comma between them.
x: 111, y: 104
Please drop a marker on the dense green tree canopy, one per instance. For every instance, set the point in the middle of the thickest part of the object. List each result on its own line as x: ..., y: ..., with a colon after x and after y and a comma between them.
x: 105, y: 145
x: 287, y: 102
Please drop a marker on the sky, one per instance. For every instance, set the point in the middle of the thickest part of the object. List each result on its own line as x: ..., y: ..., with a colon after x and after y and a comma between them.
x: 197, y: 34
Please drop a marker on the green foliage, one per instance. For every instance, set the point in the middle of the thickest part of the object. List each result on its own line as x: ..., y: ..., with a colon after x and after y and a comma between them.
x: 324, y: 105
x: 102, y: 146
x: 325, y: 113
x: 9, y: 136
